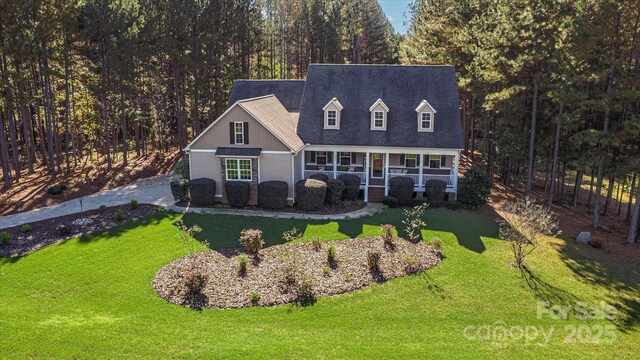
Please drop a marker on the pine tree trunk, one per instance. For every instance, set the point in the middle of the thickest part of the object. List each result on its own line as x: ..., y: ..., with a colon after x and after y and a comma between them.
x: 633, y: 185
x: 105, y: 109
x: 4, y: 154
x: 607, y: 203
x: 124, y: 131
x: 633, y: 228
x: 577, y: 187
x: 8, y: 95
x: 48, y: 113
x: 556, y: 149
x: 532, y: 138
x: 618, y: 198
x: 67, y: 106
x: 591, y: 187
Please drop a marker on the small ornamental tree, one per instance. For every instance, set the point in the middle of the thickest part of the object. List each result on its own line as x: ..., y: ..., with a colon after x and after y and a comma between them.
x: 252, y: 240
x: 414, y: 222
x: 474, y: 188
x: 523, y: 224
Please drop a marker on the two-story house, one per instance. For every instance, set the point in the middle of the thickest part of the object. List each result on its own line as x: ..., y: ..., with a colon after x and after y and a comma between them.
x: 373, y: 121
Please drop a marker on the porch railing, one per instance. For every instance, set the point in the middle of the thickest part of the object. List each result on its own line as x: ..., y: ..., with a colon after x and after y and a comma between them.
x: 329, y: 173
x: 446, y: 178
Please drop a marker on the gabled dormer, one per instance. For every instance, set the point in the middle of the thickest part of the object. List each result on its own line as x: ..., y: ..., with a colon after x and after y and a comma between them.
x: 332, y: 114
x: 379, y: 111
x: 426, y: 116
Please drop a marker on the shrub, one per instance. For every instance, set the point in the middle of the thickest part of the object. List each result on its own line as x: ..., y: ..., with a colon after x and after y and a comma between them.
x: 291, y: 235
x: 454, y: 205
x: 474, y: 188
x: 435, y: 191
x: 103, y: 207
x: 195, y: 282
x: 180, y: 189
x: 254, y: 297
x: 319, y: 176
x: 25, y: 228
x: 119, y: 215
x: 414, y: 222
x: 326, y: 271
x: 390, y: 201
x: 305, y: 288
x: 273, y: 194
x: 243, y: 264
x: 57, y: 189
x: 331, y: 254
x: 133, y: 204
x: 317, y: 243
x: 335, y: 188
x: 411, y: 264
x: 237, y: 193
x: 181, y: 168
x: 386, y: 231
x: 373, y: 261
x: 5, y: 238
x: 401, y: 187
x: 252, y: 240
x: 310, y: 194
x: 352, y: 186
x: 420, y: 200
x: 202, y: 191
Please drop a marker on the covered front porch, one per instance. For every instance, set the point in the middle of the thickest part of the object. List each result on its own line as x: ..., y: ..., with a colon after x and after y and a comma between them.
x: 376, y: 168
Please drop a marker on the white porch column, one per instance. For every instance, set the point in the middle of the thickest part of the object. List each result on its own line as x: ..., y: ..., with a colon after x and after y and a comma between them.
x: 303, y: 160
x: 335, y: 164
x: 420, y: 160
x: 385, y: 168
x: 365, y: 163
x: 455, y: 172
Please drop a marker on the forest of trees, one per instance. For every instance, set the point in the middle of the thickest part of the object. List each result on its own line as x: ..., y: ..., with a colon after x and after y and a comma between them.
x: 547, y: 87
x: 102, y: 77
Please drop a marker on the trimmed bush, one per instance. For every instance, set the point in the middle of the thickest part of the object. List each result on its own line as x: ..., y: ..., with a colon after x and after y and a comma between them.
x: 419, y: 200
x: 390, y: 201
x: 273, y: 194
x: 25, y: 228
x: 237, y: 193
x: 202, y: 191
x: 335, y: 188
x: 57, y: 189
x: 373, y: 261
x: 180, y: 189
x: 319, y: 176
x: 435, y: 191
x: 401, y: 188
x: 5, y: 238
x: 119, y: 216
x: 195, y: 281
x: 133, y: 204
x: 310, y: 194
x: 181, y: 168
x: 474, y: 188
x: 352, y: 186
x: 103, y: 208
x: 454, y: 205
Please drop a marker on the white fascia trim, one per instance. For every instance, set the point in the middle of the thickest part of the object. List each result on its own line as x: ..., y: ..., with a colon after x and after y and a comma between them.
x: 263, y: 152
x: 202, y: 151
x: 382, y: 149
x: 379, y: 102
x: 333, y: 101
x: 423, y: 104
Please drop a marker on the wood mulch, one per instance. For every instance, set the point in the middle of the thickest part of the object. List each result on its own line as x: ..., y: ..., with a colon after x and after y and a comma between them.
x: 327, y: 209
x: 88, y: 178
x: 278, y: 270
x: 47, y: 232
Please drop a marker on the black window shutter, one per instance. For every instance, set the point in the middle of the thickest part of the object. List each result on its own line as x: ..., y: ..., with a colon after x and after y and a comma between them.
x: 329, y: 157
x: 353, y: 158
x: 232, y: 137
x: 402, y: 159
x: 418, y: 160
x: 245, y: 127
x: 443, y: 160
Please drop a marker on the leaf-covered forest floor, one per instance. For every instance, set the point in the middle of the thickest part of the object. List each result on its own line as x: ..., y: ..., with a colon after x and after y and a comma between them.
x: 90, y: 176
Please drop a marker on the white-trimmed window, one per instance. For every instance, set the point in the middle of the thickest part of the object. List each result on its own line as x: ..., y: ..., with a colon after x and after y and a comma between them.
x: 345, y: 158
x: 435, y: 161
x: 379, y: 115
x: 410, y: 160
x: 426, y: 121
x: 238, y: 131
x: 238, y: 169
x: 332, y: 118
x: 378, y: 119
x: 321, y: 158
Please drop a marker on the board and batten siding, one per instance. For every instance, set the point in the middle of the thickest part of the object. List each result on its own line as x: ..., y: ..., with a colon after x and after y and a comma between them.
x: 206, y: 165
x: 277, y: 167
x: 218, y: 134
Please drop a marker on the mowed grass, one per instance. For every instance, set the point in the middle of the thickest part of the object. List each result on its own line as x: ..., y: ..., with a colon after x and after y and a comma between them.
x: 92, y: 298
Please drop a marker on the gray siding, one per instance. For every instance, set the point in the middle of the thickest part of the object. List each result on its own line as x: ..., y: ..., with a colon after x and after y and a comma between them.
x: 277, y: 167
x: 206, y: 165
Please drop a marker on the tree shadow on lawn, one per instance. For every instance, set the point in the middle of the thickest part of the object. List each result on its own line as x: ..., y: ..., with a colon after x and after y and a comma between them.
x: 468, y: 227
x: 545, y: 291
x: 618, y: 277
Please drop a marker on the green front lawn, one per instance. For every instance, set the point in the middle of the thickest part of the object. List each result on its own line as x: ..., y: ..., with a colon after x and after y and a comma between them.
x: 92, y: 298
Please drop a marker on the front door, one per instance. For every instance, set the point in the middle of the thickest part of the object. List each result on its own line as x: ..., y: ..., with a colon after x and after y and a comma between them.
x: 377, y: 166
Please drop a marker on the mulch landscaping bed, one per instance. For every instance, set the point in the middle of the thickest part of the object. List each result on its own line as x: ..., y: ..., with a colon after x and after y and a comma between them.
x: 327, y: 209
x: 279, y: 270
x: 47, y: 232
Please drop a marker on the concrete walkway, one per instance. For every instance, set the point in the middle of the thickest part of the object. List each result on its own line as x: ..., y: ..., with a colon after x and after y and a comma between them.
x: 157, y: 191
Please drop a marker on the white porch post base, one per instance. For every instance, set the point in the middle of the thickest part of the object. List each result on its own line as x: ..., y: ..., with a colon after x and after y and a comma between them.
x: 366, y: 178
x: 386, y: 174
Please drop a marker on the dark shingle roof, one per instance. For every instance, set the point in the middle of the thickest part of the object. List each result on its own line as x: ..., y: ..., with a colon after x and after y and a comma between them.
x: 227, y: 151
x: 402, y: 88
x: 288, y: 92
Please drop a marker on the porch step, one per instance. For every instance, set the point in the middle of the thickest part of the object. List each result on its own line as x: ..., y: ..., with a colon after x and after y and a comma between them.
x: 376, y: 194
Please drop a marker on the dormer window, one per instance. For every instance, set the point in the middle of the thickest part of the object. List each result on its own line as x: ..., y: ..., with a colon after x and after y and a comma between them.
x: 426, y: 114
x: 379, y: 115
x: 332, y: 114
